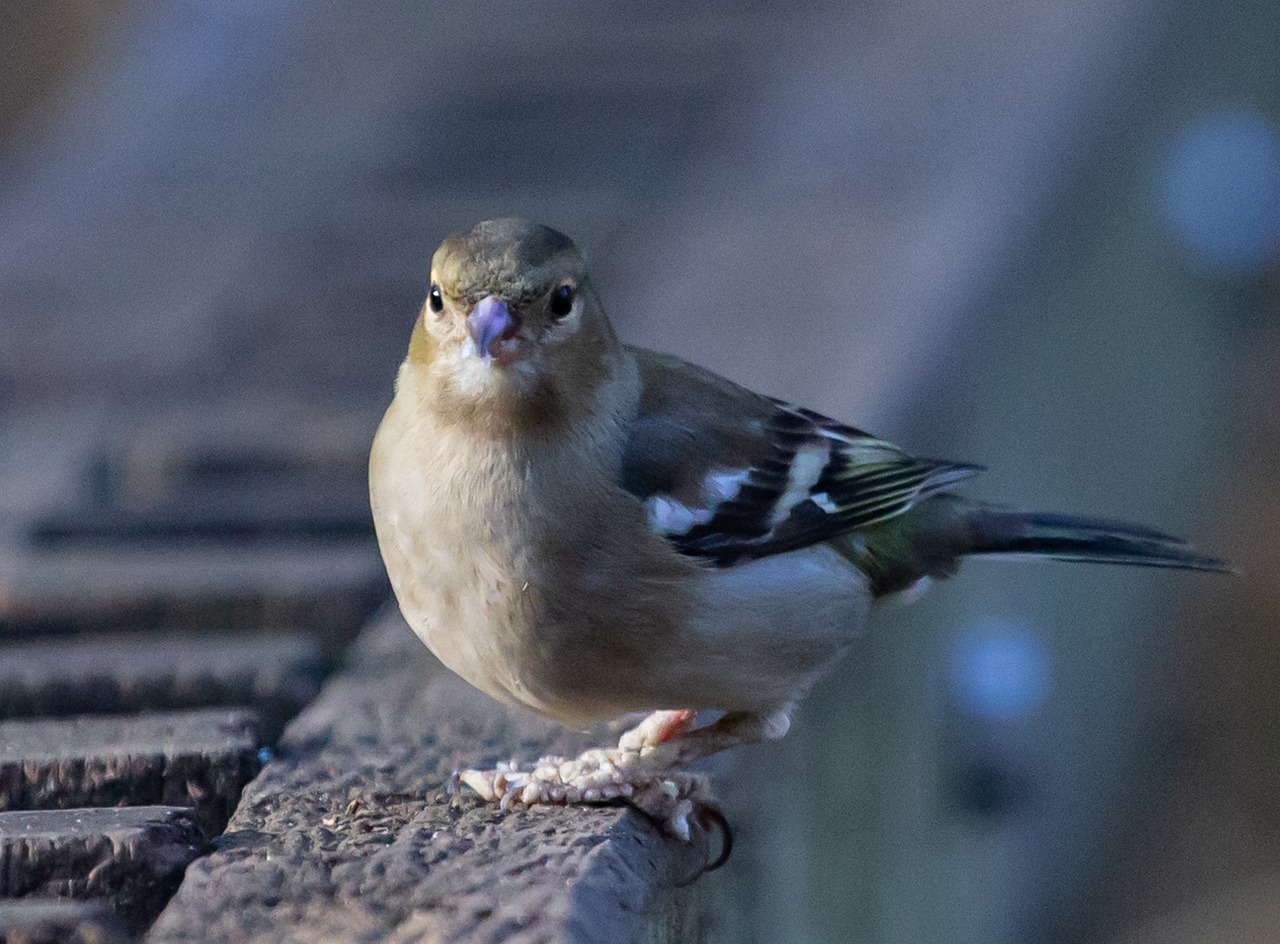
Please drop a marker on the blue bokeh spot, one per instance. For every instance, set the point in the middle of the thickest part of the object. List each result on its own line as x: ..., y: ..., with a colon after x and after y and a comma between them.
x: 999, y: 670
x: 1220, y: 190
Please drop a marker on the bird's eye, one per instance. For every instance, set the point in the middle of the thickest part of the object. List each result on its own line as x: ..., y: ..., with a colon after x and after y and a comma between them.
x: 435, y: 299
x: 562, y: 300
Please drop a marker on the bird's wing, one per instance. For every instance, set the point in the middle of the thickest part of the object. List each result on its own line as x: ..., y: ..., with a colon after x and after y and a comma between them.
x: 728, y: 475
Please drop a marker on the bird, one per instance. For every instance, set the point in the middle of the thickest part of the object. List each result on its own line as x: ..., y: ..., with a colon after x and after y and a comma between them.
x: 591, y: 530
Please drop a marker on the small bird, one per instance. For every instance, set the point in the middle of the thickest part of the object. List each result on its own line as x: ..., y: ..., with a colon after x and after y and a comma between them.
x: 589, y: 529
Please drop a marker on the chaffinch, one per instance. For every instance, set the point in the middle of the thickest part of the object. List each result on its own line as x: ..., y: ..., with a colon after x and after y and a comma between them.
x: 588, y: 529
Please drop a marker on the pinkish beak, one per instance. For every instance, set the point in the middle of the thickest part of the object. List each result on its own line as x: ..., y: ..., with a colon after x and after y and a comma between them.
x: 490, y: 322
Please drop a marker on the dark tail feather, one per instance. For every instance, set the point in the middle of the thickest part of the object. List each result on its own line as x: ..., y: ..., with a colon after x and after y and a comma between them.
x: 1072, y: 538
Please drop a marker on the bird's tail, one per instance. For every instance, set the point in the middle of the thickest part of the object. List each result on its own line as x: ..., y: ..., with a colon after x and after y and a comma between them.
x: 1075, y: 538
x: 931, y: 539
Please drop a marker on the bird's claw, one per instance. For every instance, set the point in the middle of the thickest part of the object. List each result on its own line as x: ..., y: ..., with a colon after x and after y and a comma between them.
x: 669, y: 797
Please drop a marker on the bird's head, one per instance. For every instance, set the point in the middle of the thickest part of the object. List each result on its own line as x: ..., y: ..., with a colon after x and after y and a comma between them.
x: 511, y: 320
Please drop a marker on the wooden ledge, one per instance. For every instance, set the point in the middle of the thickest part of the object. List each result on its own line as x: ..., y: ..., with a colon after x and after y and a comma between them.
x: 275, y: 673
x: 200, y: 759
x: 133, y: 856
x: 58, y: 921
x: 348, y: 834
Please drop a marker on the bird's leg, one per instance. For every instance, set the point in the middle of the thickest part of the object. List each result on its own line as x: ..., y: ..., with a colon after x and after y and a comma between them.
x: 657, y: 728
x: 736, y: 729
x: 645, y: 769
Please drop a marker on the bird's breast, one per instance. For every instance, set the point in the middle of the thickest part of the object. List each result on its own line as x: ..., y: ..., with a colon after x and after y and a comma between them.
x: 449, y: 527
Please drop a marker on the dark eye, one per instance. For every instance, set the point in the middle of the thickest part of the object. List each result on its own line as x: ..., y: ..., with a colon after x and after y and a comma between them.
x: 562, y: 301
x: 436, y: 300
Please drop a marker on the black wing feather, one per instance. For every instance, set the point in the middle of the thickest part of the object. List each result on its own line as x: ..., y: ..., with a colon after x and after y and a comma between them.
x: 802, y: 477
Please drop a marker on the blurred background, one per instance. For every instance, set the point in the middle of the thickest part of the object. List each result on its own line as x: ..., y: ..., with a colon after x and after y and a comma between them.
x: 1041, y: 236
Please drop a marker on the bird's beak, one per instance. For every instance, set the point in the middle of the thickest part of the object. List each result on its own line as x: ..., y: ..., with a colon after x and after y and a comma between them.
x: 490, y: 323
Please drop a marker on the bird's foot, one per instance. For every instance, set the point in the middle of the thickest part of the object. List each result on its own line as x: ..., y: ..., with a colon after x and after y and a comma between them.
x: 637, y: 772
x: 658, y: 727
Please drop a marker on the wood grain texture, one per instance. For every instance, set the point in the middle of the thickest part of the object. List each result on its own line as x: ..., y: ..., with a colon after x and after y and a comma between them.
x: 53, y: 921
x: 348, y: 834
x: 275, y: 673
x: 133, y: 856
x: 200, y: 759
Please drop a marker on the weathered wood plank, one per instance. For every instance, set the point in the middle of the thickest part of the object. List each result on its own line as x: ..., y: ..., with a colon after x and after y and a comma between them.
x: 133, y: 856
x: 200, y: 759
x: 301, y: 467
x: 234, y: 473
x: 228, y: 513
x: 35, y: 921
x: 348, y: 834
x: 196, y: 518
x: 326, y: 589
x: 276, y: 674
